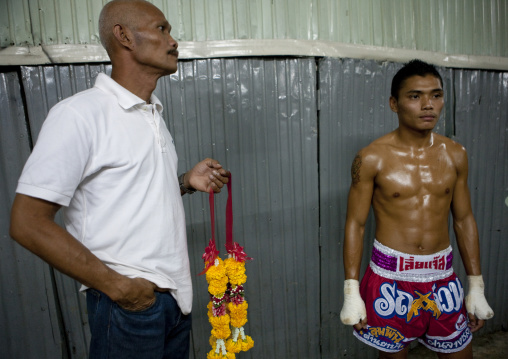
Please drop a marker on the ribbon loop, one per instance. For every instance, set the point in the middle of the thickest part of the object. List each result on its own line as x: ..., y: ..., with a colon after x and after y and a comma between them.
x: 233, y: 248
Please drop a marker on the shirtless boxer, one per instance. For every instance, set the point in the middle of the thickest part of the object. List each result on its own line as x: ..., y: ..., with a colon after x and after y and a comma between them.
x: 413, y: 178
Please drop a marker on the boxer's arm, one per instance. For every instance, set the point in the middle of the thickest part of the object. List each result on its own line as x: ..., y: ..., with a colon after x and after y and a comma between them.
x: 359, y: 201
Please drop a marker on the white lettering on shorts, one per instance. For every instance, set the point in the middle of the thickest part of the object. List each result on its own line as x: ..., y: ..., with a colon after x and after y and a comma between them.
x: 449, y: 298
x: 385, y: 338
x: 393, y: 301
x: 448, y: 345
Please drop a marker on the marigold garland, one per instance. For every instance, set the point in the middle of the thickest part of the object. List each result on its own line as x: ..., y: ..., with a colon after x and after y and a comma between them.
x: 227, y: 307
x: 227, y: 304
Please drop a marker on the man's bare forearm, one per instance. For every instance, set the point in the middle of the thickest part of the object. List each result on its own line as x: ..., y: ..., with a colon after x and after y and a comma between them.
x: 33, y: 226
x: 353, y: 252
x: 466, y: 233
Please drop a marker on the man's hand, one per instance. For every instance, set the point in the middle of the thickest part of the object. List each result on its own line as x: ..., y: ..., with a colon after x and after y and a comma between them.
x: 205, y: 175
x: 353, y: 311
x: 478, y: 310
x: 136, y: 294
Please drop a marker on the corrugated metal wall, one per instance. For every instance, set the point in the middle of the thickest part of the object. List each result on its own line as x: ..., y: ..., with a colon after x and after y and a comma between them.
x: 471, y: 27
x: 26, y: 290
x: 288, y: 129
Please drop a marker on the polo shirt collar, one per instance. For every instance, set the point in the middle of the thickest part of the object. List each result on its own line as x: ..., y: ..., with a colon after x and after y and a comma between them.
x: 126, y: 99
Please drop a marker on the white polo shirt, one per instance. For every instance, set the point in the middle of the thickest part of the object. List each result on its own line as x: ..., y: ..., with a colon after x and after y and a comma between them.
x: 108, y: 158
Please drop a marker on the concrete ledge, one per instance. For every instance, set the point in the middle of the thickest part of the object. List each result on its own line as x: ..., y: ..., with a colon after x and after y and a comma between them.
x: 58, y: 54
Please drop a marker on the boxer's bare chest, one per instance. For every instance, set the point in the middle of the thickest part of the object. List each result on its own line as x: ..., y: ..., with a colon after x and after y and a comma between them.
x: 425, y: 174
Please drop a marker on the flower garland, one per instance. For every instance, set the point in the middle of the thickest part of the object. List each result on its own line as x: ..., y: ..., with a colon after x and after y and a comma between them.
x: 227, y: 307
x: 227, y: 304
x: 217, y: 315
x: 237, y: 306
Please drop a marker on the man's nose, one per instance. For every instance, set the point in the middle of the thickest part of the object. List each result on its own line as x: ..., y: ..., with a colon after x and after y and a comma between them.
x: 173, y: 42
x: 427, y: 103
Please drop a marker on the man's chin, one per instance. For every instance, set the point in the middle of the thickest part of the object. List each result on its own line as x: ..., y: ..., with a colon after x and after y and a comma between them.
x: 170, y: 70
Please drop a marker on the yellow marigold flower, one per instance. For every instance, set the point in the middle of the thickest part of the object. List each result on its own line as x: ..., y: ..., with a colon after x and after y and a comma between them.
x: 216, y: 272
x: 234, y: 347
x: 221, y: 332
x: 237, y: 279
x: 235, y: 271
x: 238, y: 314
x: 236, y: 308
x: 233, y: 265
x: 239, y: 322
x: 247, y: 343
x: 223, y: 320
x: 213, y: 355
x: 217, y: 288
x: 213, y: 341
x: 217, y: 291
x: 216, y: 281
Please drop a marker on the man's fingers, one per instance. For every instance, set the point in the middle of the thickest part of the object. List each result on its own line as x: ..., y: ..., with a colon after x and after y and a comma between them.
x: 212, y: 163
x: 137, y: 307
x: 475, y: 323
x: 139, y: 296
x: 225, y: 173
x: 215, y: 187
x: 361, y: 325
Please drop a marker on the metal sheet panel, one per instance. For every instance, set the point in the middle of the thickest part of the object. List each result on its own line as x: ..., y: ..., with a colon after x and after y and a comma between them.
x: 471, y: 27
x: 481, y: 122
x: 29, y: 323
x: 353, y: 111
x: 258, y: 117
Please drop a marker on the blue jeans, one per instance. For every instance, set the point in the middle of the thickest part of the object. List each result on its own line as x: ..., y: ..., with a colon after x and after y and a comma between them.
x: 160, y: 331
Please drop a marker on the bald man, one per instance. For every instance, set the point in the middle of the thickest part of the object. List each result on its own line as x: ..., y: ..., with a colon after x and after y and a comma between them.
x: 107, y: 159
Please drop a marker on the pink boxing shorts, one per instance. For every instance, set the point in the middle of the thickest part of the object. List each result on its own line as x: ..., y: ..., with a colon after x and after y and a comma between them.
x: 410, y: 297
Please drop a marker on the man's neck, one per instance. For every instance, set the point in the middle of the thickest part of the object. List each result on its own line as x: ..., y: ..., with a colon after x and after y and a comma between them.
x: 140, y: 84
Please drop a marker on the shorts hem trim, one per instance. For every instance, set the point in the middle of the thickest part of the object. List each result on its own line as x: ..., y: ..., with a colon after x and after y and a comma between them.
x: 446, y: 351
x: 365, y: 341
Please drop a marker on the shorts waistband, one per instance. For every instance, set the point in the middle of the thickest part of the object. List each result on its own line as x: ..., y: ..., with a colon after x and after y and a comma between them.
x: 392, y: 264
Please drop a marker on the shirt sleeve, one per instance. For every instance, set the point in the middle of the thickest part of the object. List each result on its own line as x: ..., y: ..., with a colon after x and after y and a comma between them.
x: 60, y: 157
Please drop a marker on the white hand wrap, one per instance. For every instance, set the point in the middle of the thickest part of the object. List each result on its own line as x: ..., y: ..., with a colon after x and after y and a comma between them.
x: 475, y: 300
x: 353, y: 310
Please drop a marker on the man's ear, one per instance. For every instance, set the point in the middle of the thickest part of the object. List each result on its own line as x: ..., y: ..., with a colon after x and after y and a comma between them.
x: 393, y: 104
x: 123, y: 36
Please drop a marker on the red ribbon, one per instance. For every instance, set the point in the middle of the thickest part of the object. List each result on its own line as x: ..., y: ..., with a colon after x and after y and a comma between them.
x: 229, y: 219
x: 233, y: 248
x: 211, y: 251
